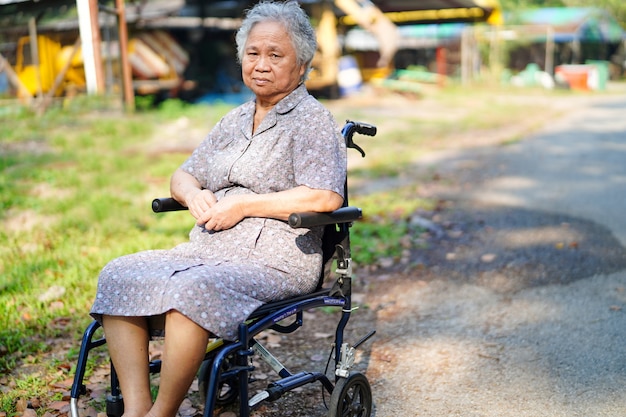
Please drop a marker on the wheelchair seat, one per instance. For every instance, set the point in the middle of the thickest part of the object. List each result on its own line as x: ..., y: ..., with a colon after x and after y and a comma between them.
x: 225, y: 373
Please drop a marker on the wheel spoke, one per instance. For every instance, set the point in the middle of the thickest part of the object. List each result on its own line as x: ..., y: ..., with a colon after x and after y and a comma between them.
x: 356, y: 397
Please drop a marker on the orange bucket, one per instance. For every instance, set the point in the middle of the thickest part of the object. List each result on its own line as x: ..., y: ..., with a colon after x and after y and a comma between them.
x: 577, y: 76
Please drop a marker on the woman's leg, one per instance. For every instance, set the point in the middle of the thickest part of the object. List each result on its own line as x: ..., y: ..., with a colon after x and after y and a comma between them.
x: 127, y: 340
x: 183, y: 352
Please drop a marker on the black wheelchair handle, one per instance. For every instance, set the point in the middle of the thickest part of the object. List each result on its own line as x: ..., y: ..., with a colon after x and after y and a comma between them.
x: 310, y: 219
x: 365, y: 129
x: 161, y: 205
x: 351, y: 127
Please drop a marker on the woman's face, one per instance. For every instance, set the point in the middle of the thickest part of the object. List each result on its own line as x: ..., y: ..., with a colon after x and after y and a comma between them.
x: 269, y: 65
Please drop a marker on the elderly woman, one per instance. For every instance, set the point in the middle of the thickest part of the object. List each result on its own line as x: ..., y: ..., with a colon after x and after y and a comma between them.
x: 278, y: 154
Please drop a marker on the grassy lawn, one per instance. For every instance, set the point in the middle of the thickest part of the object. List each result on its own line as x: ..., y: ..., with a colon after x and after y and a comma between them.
x: 75, y: 191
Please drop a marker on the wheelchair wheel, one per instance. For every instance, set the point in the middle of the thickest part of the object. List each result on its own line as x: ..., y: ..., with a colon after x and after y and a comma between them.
x: 227, y: 390
x: 351, y: 397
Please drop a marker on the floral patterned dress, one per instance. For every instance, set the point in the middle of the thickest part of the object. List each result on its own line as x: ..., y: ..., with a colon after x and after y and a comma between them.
x: 218, y: 278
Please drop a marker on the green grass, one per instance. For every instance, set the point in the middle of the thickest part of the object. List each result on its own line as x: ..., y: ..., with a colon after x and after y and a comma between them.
x: 383, y: 231
x: 75, y: 192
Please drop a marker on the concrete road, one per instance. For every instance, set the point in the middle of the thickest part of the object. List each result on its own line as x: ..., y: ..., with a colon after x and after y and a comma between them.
x: 576, y: 165
x: 455, y: 348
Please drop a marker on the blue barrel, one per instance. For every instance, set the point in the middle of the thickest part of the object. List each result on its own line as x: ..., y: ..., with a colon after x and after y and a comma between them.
x: 349, y: 78
x: 4, y: 83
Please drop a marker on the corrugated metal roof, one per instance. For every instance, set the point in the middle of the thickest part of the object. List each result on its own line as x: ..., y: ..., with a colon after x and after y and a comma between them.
x: 573, y: 23
x: 61, y: 15
x: 411, y: 36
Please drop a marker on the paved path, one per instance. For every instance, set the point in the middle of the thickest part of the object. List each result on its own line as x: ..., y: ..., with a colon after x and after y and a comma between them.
x: 460, y: 349
x: 577, y: 165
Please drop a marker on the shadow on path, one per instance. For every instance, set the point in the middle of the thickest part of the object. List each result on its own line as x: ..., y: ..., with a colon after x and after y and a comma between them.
x: 509, y: 248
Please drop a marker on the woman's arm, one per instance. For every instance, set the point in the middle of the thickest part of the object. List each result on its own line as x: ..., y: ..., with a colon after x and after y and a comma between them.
x: 230, y: 210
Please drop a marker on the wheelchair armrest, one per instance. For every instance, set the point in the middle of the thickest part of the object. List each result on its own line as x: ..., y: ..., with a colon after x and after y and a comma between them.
x: 296, y: 220
x: 310, y: 219
x: 160, y: 205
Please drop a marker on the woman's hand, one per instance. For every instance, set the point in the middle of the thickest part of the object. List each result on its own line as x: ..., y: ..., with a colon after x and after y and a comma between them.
x: 223, y: 214
x: 203, y: 204
x: 199, y: 202
x: 214, y: 215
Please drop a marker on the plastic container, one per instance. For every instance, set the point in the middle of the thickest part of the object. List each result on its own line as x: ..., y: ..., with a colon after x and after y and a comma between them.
x: 349, y: 78
x: 602, y: 75
x: 577, y: 76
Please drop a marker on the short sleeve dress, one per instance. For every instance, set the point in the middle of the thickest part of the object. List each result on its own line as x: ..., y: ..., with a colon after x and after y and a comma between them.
x: 218, y: 278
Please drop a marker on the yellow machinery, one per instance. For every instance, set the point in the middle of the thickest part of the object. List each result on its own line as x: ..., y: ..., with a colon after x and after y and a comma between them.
x: 326, y: 71
x: 325, y: 63
x: 365, y: 14
x: 40, y: 63
x: 156, y: 59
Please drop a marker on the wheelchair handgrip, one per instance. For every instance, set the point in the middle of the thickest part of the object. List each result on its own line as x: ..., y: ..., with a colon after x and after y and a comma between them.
x: 310, y: 219
x: 366, y: 129
x: 160, y: 205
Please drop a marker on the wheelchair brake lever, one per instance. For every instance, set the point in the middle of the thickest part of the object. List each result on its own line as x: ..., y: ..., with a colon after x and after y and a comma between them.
x: 357, y: 147
x: 350, y: 128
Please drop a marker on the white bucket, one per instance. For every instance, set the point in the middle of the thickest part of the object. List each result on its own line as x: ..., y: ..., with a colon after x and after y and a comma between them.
x: 349, y: 77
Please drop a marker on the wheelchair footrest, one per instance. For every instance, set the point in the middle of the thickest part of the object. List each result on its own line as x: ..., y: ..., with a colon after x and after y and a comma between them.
x: 276, y: 389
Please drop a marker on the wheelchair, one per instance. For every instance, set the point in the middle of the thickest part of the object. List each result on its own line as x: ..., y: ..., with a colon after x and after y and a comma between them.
x: 225, y: 373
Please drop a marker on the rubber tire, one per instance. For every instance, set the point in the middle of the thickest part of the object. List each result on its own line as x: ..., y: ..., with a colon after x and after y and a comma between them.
x: 227, y: 391
x: 351, y: 397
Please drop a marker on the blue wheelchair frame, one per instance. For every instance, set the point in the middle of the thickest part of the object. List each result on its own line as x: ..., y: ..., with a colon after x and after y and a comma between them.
x: 227, y: 362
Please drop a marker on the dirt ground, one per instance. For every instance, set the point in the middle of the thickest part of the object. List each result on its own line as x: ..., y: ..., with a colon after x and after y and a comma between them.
x: 419, y: 351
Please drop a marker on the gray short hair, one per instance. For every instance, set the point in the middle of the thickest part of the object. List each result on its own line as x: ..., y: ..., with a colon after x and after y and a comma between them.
x: 295, y: 21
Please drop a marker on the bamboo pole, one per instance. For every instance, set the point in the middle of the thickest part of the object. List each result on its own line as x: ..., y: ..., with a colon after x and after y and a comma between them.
x: 15, y: 80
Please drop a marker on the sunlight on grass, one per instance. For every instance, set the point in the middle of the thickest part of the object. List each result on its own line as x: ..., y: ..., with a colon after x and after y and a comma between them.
x: 385, y: 226
x: 75, y: 193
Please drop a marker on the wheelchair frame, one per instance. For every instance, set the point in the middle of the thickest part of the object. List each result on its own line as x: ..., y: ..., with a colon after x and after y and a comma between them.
x: 227, y: 363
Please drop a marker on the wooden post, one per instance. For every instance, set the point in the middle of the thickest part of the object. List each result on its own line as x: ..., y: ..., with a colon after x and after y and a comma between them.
x: 465, y: 57
x: 549, y: 67
x: 34, y: 53
x: 127, y: 81
x: 89, y: 27
x: 97, y: 45
x: 442, y: 70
